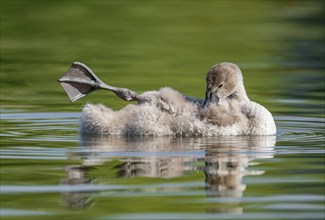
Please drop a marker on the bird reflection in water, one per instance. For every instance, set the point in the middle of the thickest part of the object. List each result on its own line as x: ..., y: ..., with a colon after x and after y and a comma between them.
x: 224, y: 161
x: 76, y: 175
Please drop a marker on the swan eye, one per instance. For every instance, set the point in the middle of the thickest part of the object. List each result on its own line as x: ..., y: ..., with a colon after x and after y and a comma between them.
x: 220, y: 86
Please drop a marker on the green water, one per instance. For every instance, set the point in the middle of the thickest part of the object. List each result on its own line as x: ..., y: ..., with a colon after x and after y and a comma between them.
x: 48, y: 171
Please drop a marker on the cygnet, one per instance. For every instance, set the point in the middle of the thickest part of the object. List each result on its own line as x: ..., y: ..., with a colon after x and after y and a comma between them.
x: 226, y: 110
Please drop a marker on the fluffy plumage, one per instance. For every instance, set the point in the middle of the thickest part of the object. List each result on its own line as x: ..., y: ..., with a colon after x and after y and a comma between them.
x: 226, y: 110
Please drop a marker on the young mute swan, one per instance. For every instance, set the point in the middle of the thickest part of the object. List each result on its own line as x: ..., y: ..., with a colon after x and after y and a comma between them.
x: 226, y: 110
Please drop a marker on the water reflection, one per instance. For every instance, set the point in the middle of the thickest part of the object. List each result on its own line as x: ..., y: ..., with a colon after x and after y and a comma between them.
x: 226, y: 163
x: 223, y: 160
x: 76, y: 175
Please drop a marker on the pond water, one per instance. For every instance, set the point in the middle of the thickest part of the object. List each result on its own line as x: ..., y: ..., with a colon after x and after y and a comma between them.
x: 50, y: 171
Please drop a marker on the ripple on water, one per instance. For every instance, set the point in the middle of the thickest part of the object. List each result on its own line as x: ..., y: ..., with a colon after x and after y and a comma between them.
x: 300, y: 128
x: 164, y: 159
x: 18, y: 212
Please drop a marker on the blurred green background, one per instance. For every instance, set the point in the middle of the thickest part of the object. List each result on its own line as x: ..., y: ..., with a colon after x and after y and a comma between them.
x: 145, y: 45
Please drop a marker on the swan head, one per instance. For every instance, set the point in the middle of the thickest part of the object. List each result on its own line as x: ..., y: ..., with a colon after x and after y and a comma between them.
x: 223, y: 81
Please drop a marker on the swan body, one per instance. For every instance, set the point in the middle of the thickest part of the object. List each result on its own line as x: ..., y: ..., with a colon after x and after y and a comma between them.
x: 226, y: 110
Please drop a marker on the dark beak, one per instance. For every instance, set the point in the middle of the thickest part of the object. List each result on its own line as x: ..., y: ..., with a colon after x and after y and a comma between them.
x: 210, y: 98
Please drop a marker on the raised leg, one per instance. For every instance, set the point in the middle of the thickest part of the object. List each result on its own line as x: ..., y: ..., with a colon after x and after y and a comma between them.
x: 126, y: 94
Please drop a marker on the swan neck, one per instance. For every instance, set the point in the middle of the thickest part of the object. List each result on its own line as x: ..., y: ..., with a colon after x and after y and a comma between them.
x: 240, y: 94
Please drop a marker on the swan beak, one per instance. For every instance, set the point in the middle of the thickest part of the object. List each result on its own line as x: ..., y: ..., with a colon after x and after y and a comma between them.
x: 210, y: 98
